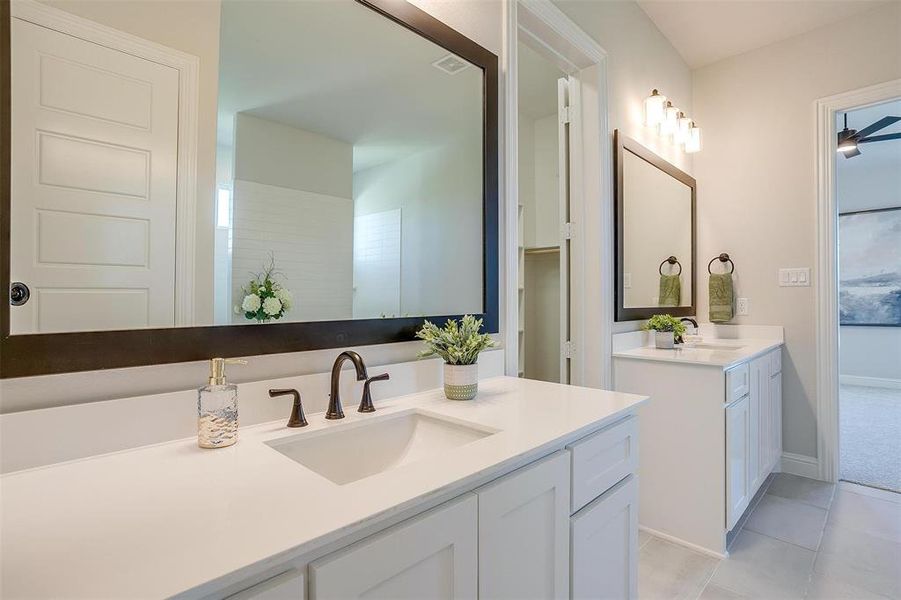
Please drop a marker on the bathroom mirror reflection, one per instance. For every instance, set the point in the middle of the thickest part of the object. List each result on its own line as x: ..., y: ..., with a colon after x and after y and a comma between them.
x: 342, y: 156
x: 655, y: 228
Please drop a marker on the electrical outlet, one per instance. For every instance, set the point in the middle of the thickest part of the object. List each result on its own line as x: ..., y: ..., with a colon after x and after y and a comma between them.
x: 742, y: 307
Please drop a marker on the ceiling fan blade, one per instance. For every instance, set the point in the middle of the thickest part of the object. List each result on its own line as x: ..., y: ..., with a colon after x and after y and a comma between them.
x: 880, y: 124
x: 880, y: 138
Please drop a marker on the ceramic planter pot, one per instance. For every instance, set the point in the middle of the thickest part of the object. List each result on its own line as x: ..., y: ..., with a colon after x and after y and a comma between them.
x: 461, y: 382
x: 664, y: 339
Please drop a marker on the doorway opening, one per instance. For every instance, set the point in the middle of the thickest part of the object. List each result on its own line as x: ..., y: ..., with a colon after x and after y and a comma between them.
x: 544, y: 207
x: 867, y: 185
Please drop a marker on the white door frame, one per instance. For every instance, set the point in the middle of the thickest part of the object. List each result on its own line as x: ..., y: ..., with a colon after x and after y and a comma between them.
x: 827, y: 313
x: 188, y: 67
x: 591, y: 190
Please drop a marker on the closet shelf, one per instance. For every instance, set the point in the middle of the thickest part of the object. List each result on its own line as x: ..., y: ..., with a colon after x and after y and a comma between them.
x: 542, y: 250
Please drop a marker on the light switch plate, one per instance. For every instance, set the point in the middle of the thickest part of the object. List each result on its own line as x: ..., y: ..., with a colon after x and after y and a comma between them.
x: 794, y: 277
x: 742, y: 307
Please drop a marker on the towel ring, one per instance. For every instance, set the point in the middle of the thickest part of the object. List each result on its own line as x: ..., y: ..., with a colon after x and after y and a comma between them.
x: 723, y: 258
x: 671, y: 260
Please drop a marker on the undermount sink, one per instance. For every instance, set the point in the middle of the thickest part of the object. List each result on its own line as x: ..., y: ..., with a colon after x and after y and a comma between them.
x: 715, y: 346
x: 349, y: 454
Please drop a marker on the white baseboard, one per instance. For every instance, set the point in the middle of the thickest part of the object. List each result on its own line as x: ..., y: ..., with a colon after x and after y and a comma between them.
x: 801, y: 465
x: 879, y: 382
x: 681, y: 542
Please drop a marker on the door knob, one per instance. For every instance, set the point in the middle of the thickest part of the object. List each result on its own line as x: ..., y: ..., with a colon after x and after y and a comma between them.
x: 18, y: 293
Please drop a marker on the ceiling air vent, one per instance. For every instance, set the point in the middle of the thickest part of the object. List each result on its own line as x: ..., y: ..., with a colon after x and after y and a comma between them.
x: 450, y: 64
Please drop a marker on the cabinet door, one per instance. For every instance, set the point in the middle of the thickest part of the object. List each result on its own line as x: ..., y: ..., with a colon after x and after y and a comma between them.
x: 605, y: 545
x: 760, y: 384
x: 431, y: 556
x: 776, y: 418
x: 738, y: 478
x: 524, y: 532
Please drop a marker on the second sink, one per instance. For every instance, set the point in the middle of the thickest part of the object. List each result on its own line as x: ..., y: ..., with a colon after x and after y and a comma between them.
x: 348, y: 454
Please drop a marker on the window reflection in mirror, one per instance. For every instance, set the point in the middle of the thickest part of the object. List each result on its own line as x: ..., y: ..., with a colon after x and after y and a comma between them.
x: 346, y: 153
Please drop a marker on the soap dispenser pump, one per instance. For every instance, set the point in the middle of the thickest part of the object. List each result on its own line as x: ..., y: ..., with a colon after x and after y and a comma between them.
x: 217, y: 407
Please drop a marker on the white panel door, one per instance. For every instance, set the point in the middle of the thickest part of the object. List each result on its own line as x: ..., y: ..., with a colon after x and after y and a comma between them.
x: 94, y: 150
x: 605, y: 545
x: 431, y: 556
x: 738, y: 477
x: 524, y: 533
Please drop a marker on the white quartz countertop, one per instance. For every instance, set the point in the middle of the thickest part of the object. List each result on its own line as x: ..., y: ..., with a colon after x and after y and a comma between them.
x: 159, y: 520
x: 721, y: 353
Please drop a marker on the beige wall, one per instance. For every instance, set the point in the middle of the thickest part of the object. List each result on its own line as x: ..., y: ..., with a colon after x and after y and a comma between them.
x: 639, y: 59
x: 756, y: 180
x: 191, y: 26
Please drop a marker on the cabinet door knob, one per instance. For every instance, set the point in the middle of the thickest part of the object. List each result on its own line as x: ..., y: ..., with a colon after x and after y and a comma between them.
x: 18, y: 293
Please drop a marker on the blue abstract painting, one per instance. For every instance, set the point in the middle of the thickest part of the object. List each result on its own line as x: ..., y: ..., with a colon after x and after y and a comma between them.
x: 870, y: 267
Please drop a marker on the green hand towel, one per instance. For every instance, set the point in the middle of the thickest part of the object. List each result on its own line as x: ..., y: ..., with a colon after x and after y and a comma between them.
x: 721, y: 292
x: 670, y: 291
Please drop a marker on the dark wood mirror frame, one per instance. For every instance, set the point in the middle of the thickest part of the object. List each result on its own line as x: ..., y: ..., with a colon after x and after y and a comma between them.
x: 42, y: 354
x: 623, y: 144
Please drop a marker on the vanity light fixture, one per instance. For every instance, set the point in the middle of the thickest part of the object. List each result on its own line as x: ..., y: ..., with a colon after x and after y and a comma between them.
x: 693, y: 143
x: 654, y: 106
x: 670, y: 122
x: 683, y: 129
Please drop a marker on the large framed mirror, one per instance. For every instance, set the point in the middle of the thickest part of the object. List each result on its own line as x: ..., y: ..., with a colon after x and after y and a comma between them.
x: 318, y: 175
x: 655, y: 234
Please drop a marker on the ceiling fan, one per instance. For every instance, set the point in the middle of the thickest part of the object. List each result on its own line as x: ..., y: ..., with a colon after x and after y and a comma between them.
x: 849, y: 139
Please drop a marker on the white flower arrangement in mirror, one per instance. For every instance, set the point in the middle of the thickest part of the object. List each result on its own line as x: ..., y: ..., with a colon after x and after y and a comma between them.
x: 265, y: 299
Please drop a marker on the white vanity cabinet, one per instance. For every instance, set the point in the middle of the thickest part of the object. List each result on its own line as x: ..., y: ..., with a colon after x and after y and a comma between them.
x: 753, y: 433
x: 564, y: 526
x: 710, y: 433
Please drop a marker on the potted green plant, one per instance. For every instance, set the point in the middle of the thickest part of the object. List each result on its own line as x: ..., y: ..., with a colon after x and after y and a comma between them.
x: 459, y: 344
x: 667, y: 329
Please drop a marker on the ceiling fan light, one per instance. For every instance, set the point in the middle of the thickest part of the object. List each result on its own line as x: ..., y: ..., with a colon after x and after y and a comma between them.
x: 654, y: 106
x: 670, y: 122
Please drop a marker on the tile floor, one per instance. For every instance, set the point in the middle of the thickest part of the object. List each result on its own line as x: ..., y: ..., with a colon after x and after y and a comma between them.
x: 804, y: 539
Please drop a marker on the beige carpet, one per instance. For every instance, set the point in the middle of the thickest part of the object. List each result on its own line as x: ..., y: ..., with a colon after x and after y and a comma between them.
x: 870, y: 429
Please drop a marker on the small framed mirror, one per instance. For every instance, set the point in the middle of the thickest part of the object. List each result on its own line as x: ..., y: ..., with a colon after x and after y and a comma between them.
x: 655, y: 234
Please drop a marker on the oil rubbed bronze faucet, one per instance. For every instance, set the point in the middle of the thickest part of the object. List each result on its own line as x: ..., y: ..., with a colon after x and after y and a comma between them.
x: 334, y: 402
x: 297, y: 418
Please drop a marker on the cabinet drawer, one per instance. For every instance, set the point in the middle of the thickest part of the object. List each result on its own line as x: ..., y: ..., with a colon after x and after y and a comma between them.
x: 738, y: 382
x: 602, y: 459
x: 775, y: 361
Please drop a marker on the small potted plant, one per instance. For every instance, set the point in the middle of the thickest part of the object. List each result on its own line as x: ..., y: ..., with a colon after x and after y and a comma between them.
x: 459, y: 344
x: 667, y: 329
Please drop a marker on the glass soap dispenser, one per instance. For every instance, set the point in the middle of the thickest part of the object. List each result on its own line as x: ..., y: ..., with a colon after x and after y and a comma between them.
x: 217, y: 407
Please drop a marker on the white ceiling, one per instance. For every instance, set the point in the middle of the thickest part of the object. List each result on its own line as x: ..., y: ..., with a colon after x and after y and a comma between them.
x: 706, y: 31
x: 342, y: 70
